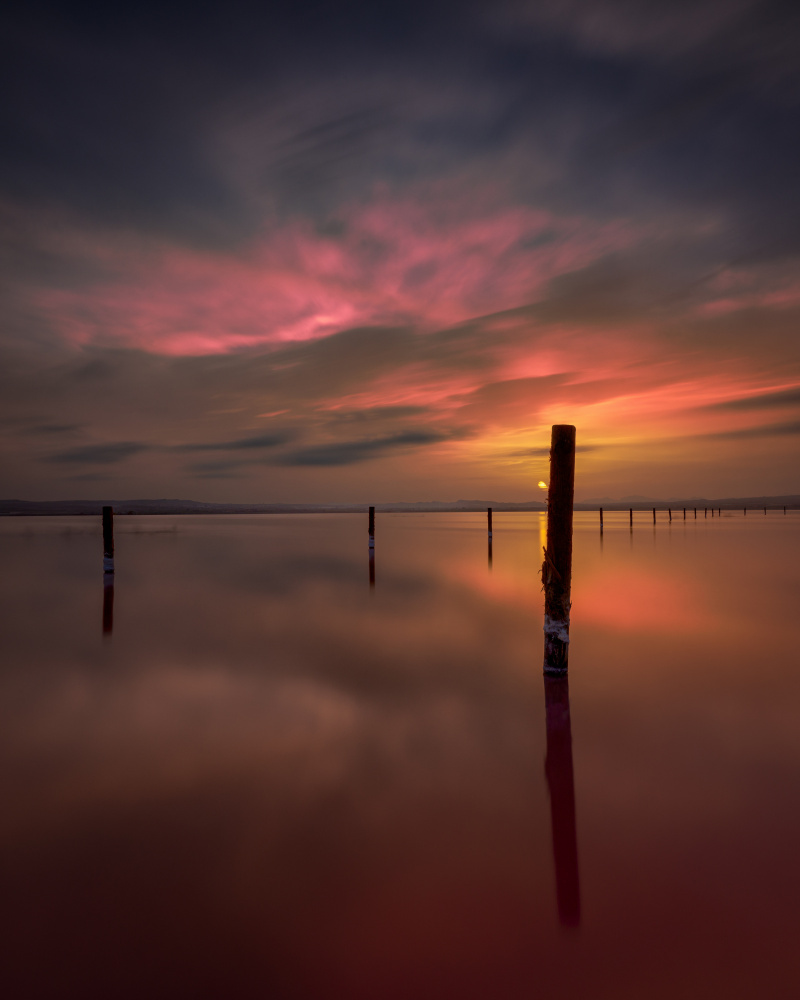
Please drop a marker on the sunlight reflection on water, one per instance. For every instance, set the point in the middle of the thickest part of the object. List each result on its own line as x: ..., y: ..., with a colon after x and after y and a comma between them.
x: 273, y: 779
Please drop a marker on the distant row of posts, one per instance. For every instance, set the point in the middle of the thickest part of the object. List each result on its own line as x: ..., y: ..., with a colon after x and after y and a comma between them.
x: 718, y: 511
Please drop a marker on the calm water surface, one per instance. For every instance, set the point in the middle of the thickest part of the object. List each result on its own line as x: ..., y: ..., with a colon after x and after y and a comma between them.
x: 273, y: 780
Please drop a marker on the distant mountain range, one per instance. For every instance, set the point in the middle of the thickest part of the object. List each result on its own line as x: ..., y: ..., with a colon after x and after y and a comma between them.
x: 79, y: 507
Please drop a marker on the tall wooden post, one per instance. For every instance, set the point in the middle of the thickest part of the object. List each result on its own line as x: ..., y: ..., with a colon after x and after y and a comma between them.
x: 561, y: 785
x: 557, y: 565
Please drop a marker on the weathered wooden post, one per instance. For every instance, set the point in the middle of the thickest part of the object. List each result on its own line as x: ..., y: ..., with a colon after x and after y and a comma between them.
x: 372, y: 546
x: 561, y: 786
x: 108, y: 570
x: 108, y: 539
x: 557, y: 565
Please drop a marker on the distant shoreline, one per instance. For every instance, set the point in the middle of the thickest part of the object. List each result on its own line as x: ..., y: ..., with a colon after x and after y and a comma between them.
x: 66, y: 508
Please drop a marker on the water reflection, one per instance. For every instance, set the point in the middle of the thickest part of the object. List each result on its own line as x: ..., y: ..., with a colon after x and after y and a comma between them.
x: 108, y: 603
x: 372, y: 565
x: 561, y: 786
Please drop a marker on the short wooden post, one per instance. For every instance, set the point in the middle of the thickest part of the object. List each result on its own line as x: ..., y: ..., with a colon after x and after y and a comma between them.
x: 489, y: 520
x: 557, y: 565
x: 745, y: 511
x: 684, y: 513
x: 705, y: 511
x: 654, y: 515
x: 108, y: 539
x: 630, y: 516
x: 601, y: 518
x: 765, y: 512
x: 108, y: 570
x: 670, y: 515
x: 372, y: 546
x: 561, y: 786
x: 695, y: 513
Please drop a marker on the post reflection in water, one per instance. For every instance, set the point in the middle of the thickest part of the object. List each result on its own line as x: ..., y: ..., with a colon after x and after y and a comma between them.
x: 371, y: 566
x: 490, y: 551
x: 108, y: 603
x: 561, y: 786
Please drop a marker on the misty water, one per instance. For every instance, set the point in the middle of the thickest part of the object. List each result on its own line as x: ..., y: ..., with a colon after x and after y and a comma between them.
x: 270, y: 779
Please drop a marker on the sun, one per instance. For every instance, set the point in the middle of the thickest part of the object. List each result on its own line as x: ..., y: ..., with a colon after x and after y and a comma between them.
x: 542, y: 486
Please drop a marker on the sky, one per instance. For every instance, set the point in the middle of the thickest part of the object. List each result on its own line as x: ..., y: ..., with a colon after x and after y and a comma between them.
x: 364, y: 252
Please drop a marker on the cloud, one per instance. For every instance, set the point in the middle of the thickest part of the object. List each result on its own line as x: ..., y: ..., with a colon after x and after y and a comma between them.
x: 350, y: 452
x: 99, y: 454
x: 788, y: 429
x: 242, y: 444
x: 762, y: 401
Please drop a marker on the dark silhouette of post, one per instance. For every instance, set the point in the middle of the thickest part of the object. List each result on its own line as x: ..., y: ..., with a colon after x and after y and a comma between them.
x: 630, y: 516
x: 557, y: 565
x: 601, y: 518
x: 561, y: 786
x: 654, y: 515
x: 765, y: 512
x: 108, y: 570
x: 705, y: 511
x: 108, y: 603
x: 670, y: 515
x: 372, y: 546
x: 684, y: 513
x: 489, y: 520
x: 108, y: 539
x: 695, y: 513
x: 745, y: 511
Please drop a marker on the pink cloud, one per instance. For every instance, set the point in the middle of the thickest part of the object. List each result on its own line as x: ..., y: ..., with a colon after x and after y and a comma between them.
x: 426, y: 260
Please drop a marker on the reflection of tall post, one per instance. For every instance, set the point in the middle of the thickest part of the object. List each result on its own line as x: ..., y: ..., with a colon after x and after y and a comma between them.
x: 561, y: 786
x: 557, y: 565
x: 108, y: 570
x: 372, y: 546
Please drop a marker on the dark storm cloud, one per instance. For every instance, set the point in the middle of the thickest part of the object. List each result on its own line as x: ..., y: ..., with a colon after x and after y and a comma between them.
x: 196, y: 120
x: 99, y: 454
x: 350, y: 452
x: 763, y: 401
